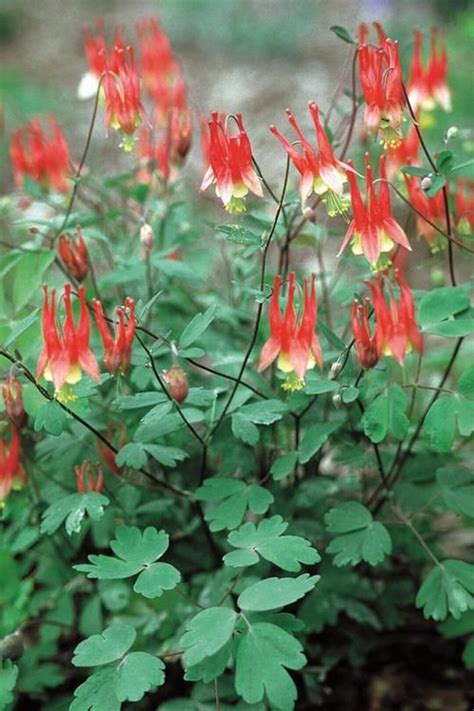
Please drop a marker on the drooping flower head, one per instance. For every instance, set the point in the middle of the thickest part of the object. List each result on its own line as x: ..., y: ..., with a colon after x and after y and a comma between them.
x: 124, y: 109
x: 118, y: 349
x: 12, y: 472
x: 365, y: 338
x: 41, y: 154
x: 66, y: 354
x: 89, y: 478
x: 396, y: 331
x: 320, y: 172
x: 73, y: 253
x: 430, y: 207
x: 427, y: 86
x: 294, y: 343
x: 13, y: 399
x: 381, y: 80
x: 177, y: 382
x: 373, y: 229
x: 230, y: 164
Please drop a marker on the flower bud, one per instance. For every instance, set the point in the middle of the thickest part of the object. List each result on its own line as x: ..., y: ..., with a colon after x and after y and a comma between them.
x: 335, y: 370
x: 13, y: 399
x: 336, y: 400
x: 426, y: 182
x: 89, y: 478
x: 452, y: 132
x: 147, y: 241
x: 177, y: 382
x: 310, y: 214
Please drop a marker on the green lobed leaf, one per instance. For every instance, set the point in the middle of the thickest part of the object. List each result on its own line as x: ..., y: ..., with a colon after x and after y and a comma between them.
x: 445, y: 415
x: 361, y: 539
x: 284, y: 466
x: 342, y: 33
x: 132, y: 455
x: 440, y: 304
x: 207, y: 633
x: 238, y: 234
x: 267, y: 541
x: 264, y: 654
x: 232, y: 498
x: 97, y: 692
x: 51, y: 418
x: 273, y: 593
x: 457, y: 489
x: 448, y: 588
x: 244, y: 429
x: 8, y: 677
x: 106, y: 647
x: 157, y: 578
x: 73, y: 508
x: 386, y: 415
x: 137, y: 674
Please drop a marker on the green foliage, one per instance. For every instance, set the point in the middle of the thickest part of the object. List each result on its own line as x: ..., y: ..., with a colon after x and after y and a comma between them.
x: 267, y: 541
x: 449, y: 587
x: 361, y: 539
x: 234, y: 498
x: 273, y: 593
x: 386, y: 415
x: 72, y: 509
x: 137, y: 553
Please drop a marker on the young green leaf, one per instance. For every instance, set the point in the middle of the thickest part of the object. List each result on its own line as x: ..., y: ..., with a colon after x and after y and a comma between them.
x: 207, y: 633
x: 284, y: 465
x: 238, y: 234
x: 196, y: 327
x: 457, y: 489
x: 449, y: 411
x: 386, y: 414
x: 441, y: 304
x: 132, y: 455
x: 342, y: 33
x: 97, y: 692
x: 362, y: 538
x: 273, y: 593
x: 51, y: 418
x: 264, y: 653
x: 73, y: 508
x: 8, y: 677
x: 449, y: 587
x: 267, y: 541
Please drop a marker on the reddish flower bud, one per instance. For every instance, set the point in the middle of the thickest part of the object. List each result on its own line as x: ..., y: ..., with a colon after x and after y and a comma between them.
x: 118, y: 350
x: 11, y: 390
x: 12, y: 472
x: 147, y: 241
x: 181, y: 129
x: 177, y: 382
x: 89, y: 478
x: 365, y: 341
x: 73, y: 253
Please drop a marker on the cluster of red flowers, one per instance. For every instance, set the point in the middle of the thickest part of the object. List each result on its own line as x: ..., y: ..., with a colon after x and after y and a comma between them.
x: 41, y: 155
x: 395, y: 331
x: 66, y: 353
x: 293, y: 342
x: 427, y: 86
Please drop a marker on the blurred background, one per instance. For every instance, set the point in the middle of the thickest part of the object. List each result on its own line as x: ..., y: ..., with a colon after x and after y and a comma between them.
x: 253, y: 56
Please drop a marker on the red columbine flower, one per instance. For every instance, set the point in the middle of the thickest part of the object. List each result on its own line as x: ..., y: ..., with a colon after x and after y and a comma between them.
x: 13, y: 399
x: 396, y: 330
x: 373, y: 230
x: 65, y: 355
x: 181, y: 130
x: 41, y: 155
x: 124, y: 109
x: 73, y: 253
x: 88, y: 478
x: 365, y: 341
x: 295, y: 345
x: 230, y: 164
x: 118, y: 350
x: 381, y: 79
x: 464, y: 204
x: 12, y: 472
x: 320, y: 172
x: 430, y: 207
